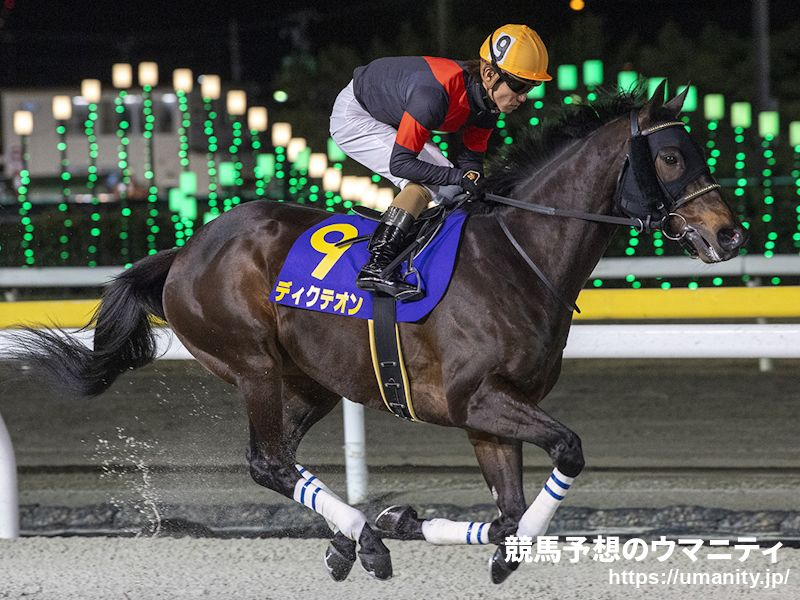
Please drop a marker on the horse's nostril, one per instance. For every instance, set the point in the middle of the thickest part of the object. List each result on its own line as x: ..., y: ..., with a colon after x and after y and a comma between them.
x: 730, y: 238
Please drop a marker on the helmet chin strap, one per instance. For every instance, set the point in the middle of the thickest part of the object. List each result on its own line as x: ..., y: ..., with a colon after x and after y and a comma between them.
x: 487, y: 96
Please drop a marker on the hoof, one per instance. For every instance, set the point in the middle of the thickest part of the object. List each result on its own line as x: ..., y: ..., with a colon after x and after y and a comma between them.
x: 400, y: 522
x: 499, y: 568
x: 340, y: 557
x: 374, y: 555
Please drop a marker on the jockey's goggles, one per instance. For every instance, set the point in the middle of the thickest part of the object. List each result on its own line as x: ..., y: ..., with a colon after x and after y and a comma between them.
x: 516, y: 85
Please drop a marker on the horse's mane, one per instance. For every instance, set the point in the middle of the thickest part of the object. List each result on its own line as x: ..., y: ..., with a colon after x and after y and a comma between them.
x: 535, y: 145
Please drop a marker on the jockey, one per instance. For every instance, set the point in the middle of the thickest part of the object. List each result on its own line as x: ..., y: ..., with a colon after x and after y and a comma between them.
x: 385, y: 116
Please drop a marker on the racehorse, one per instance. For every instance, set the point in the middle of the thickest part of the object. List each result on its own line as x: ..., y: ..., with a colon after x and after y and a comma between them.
x: 482, y: 360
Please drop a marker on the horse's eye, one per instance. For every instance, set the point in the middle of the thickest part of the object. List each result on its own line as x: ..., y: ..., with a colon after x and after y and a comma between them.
x: 670, y: 159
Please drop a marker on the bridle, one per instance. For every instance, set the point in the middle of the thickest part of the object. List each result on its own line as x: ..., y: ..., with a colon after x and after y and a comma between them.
x: 647, y: 202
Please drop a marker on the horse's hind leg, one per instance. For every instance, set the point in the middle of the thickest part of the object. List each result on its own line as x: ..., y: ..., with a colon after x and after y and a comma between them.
x: 276, y: 431
x: 305, y: 402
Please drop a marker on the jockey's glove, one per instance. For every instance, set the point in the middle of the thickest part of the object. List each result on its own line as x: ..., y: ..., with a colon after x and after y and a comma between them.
x: 472, y: 184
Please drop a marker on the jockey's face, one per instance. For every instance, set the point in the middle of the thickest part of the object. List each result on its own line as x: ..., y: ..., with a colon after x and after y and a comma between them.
x: 506, y: 99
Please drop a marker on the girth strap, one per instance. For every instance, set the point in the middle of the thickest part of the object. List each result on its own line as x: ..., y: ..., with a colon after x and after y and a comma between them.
x: 387, y: 358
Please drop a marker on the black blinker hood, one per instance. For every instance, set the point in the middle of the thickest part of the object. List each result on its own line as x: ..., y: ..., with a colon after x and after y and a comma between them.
x: 641, y: 193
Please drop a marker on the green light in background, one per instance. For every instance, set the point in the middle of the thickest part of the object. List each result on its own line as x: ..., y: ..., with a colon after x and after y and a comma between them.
x: 211, y: 160
x: 690, y: 104
x: 209, y: 216
x: 741, y: 114
x: 266, y: 164
x: 627, y: 80
x: 227, y: 173
x: 537, y: 92
x: 24, y: 206
x: 567, y: 77
x: 234, y: 151
x: 303, y: 159
x: 280, y: 96
x: 175, y: 199
x: 592, y: 72
x: 122, y: 162
x: 335, y: 154
x: 188, y: 209
x: 713, y: 107
x: 768, y: 123
x: 187, y: 182
x: 794, y: 133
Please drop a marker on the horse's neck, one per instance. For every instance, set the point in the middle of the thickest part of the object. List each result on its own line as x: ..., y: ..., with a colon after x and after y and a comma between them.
x: 580, y: 178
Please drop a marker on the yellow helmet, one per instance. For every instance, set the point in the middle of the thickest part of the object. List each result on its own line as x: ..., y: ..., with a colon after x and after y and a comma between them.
x: 517, y: 50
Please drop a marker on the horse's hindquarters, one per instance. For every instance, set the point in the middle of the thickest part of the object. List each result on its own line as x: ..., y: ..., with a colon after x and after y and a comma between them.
x: 216, y: 296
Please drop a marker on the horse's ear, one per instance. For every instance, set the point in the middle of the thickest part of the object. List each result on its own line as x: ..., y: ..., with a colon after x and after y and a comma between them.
x: 675, y: 105
x: 656, y: 101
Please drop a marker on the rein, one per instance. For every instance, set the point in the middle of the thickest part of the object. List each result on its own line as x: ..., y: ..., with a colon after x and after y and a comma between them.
x: 639, y: 224
x: 660, y: 201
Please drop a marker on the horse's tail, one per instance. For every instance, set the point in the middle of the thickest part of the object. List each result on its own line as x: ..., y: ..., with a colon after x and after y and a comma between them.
x: 123, y: 336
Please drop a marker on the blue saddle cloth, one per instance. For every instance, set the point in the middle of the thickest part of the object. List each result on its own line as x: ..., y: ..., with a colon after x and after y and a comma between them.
x: 321, y: 277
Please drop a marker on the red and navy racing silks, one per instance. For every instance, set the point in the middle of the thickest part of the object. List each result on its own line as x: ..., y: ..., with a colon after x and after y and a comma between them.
x: 421, y: 94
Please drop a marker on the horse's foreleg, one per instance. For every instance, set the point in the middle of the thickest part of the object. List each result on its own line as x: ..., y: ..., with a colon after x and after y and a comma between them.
x: 499, y: 410
x: 501, y: 464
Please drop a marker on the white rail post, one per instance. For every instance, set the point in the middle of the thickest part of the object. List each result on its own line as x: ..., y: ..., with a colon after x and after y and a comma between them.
x: 9, y: 501
x: 764, y: 364
x: 355, y: 452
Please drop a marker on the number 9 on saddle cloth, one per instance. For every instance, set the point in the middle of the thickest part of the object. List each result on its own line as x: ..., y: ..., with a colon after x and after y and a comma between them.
x: 320, y: 270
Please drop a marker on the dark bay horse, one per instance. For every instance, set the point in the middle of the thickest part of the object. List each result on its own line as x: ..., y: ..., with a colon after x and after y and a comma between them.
x: 482, y: 360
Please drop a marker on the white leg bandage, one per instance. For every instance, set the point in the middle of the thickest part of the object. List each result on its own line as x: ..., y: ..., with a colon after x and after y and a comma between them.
x: 309, y: 476
x: 314, y: 494
x: 446, y: 532
x: 536, y: 519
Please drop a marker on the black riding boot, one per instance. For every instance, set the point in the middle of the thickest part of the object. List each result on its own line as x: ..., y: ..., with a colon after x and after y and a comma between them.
x: 387, y: 242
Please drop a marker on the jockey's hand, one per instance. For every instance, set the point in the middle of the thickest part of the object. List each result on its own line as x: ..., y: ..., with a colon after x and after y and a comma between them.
x: 472, y: 184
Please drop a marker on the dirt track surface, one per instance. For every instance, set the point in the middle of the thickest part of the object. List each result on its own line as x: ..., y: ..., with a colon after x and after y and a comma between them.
x: 141, y: 569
